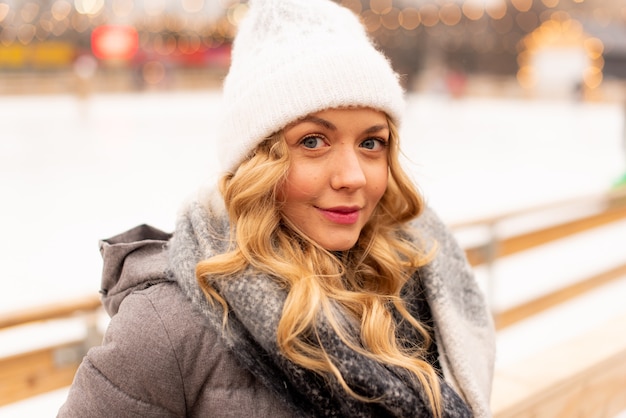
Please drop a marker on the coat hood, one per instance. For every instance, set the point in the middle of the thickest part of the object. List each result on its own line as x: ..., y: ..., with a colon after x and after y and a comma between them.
x: 133, y: 260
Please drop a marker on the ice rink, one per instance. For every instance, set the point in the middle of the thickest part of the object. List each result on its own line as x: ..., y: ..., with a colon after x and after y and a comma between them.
x: 73, y: 171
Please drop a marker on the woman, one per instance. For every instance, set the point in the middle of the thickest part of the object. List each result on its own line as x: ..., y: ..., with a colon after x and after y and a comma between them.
x: 315, y: 282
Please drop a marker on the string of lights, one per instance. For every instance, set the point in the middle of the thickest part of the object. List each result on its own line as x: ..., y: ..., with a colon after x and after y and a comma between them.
x: 493, y: 36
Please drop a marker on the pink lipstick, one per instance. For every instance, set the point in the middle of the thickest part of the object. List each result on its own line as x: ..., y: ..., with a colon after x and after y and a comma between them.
x: 341, y: 215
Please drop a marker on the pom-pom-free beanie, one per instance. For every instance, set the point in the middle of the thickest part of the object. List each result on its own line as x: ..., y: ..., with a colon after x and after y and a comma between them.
x: 291, y: 58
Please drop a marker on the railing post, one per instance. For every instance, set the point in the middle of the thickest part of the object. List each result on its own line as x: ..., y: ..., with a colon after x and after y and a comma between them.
x: 491, y: 249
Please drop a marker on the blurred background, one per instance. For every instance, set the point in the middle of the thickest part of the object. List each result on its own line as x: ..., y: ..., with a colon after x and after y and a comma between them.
x: 515, y: 133
x: 561, y: 48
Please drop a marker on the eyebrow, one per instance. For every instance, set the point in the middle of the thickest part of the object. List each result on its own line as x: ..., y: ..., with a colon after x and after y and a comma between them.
x: 318, y: 121
x: 376, y: 128
x: 326, y: 124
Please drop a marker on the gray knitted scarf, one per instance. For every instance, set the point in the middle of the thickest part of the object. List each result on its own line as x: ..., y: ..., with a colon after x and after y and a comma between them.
x: 256, y: 301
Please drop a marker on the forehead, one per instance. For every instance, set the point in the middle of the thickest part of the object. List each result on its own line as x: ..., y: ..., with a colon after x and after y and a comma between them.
x: 350, y: 112
x: 331, y: 118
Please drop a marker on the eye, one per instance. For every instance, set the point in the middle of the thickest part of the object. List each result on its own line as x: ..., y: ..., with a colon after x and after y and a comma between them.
x: 312, y: 141
x: 373, y: 144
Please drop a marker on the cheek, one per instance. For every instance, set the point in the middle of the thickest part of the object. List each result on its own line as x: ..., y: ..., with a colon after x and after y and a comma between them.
x: 300, y: 184
x: 378, y: 183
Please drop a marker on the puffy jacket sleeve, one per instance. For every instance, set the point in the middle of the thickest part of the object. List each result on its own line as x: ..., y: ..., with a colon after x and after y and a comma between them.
x: 134, y: 372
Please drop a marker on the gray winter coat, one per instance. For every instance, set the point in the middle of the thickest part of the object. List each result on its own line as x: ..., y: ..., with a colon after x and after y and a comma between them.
x: 159, y: 358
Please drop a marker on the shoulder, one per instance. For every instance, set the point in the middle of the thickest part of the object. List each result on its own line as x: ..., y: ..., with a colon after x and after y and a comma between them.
x: 139, y: 353
x: 160, y: 328
x: 160, y: 314
x: 162, y: 318
x: 146, y: 360
x: 185, y: 359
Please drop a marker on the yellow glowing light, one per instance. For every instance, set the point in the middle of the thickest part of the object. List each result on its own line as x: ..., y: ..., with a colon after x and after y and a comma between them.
x: 550, y: 3
x: 594, y: 48
x: 391, y: 19
x: 429, y: 14
x: 522, y: 5
x: 473, y: 11
x: 593, y: 77
x: 236, y: 13
x: 89, y: 7
x: 560, y: 16
x: 573, y: 28
x: 371, y: 21
x: 450, y: 14
x: 52, y: 54
x: 11, y: 55
x: 225, y: 29
x: 4, y: 11
x: 497, y: 10
x: 60, y: 9
x: 381, y: 7
x: 565, y: 36
x: 522, y: 58
x: 525, y: 78
x: 409, y: 18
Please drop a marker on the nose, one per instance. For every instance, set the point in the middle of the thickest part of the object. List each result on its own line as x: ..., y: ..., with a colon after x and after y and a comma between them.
x: 347, y: 170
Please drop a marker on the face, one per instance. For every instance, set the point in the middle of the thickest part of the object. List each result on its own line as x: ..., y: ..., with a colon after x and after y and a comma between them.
x: 337, y: 174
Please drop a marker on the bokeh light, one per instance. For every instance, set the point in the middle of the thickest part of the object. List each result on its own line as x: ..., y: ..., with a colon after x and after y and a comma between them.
x: 478, y: 37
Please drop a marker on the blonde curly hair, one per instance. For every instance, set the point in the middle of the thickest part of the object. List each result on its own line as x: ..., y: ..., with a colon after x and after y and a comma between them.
x: 364, y: 281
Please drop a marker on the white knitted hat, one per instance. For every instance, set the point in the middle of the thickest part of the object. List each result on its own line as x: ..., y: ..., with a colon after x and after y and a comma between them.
x: 291, y: 58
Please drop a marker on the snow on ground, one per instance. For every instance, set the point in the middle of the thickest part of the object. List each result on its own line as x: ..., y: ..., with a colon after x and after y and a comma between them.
x: 73, y: 171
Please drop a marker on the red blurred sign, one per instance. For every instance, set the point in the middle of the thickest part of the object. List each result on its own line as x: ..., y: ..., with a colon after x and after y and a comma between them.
x: 114, y: 42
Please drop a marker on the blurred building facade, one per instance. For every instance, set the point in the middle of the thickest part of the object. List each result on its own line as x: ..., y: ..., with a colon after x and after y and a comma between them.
x: 553, y: 47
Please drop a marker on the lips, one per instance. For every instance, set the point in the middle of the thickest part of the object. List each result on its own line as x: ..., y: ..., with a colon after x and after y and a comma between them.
x: 343, y: 215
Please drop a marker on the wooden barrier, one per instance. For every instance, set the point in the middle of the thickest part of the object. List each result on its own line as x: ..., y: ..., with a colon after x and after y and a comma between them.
x: 35, y: 372
x: 611, y: 207
x: 38, y: 371
x: 487, y: 253
x: 583, y: 377
x: 31, y: 373
x: 52, y: 311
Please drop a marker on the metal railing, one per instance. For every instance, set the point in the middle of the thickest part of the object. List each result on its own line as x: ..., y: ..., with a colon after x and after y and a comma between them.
x: 30, y: 373
x: 600, y: 210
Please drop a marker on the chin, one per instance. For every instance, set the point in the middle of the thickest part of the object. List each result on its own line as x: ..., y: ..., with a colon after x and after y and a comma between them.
x: 339, y: 246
